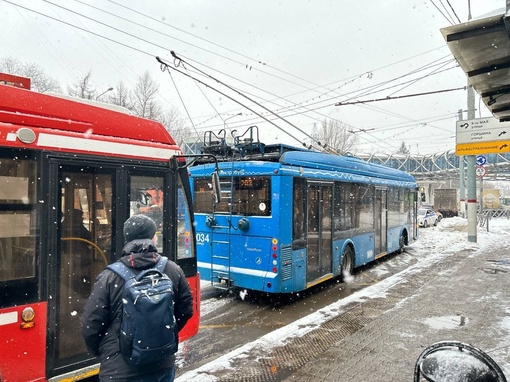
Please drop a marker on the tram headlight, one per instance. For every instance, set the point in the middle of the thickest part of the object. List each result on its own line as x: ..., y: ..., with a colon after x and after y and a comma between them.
x: 27, y: 318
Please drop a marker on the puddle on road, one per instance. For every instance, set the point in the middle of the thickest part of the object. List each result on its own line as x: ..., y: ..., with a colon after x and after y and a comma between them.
x: 446, y: 322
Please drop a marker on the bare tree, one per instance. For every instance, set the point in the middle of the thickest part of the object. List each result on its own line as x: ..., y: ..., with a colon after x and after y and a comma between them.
x: 121, y: 96
x: 403, y: 149
x: 145, y: 103
x: 176, y: 125
x: 39, y: 81
x: 335, y: 135
x: 82, y: 88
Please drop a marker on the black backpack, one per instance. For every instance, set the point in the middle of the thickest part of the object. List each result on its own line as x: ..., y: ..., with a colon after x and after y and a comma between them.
x: 148, y: 332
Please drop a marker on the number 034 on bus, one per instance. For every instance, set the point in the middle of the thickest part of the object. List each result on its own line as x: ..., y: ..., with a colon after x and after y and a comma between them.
x: 290, y: 218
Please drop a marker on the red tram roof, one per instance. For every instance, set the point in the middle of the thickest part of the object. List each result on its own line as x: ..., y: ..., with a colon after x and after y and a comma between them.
x: 28, y: 108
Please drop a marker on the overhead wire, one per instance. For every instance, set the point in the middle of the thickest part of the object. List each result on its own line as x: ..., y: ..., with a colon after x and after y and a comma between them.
x: 101, y: 50
x: 183, y: 103
x: 122, y: 44
x: 287, y: 115
x: 447, y: 19
x: 452, y: 21
x: 82, y: 29
x: 215, y: 44
x: 159, y: 21
x: 453, y: 10
x: 167, y: 66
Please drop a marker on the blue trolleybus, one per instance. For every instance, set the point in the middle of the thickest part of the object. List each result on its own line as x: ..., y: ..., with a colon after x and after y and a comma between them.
x: 290, y: 218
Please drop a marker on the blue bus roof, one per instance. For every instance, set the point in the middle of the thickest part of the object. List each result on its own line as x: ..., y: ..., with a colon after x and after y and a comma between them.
x: 302, y: 157
x: 346, y: 164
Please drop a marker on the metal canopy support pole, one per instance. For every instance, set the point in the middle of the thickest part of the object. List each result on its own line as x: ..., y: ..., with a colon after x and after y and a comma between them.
x: 471, y: 175
x: 462, y: 180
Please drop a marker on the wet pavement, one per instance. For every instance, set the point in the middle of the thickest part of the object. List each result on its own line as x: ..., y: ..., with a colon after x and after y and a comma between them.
x: 378, y: 333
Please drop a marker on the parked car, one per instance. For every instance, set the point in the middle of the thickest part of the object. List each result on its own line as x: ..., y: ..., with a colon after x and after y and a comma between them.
x: 431, y: 207
x: 427, y: 217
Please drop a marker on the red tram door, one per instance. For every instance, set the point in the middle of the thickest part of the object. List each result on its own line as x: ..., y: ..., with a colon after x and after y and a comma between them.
x: 84, y: 213
x: 87, y: 211
x: 319, y: 238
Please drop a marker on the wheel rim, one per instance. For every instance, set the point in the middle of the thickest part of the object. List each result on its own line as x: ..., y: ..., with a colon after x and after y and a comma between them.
x: 346, y: 265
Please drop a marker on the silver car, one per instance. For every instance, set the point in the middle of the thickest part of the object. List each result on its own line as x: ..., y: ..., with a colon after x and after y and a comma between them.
x: 427, y: 217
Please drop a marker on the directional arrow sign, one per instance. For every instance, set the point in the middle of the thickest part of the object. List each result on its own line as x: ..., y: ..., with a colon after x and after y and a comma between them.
x: 482, y: 130
x: 481, y: 160
x: 498, y: 147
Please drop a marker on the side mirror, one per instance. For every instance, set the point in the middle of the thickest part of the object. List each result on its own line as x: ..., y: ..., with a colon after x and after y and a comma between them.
x: 454, y: 361
x: 145, y: 198
x: 216, y: 187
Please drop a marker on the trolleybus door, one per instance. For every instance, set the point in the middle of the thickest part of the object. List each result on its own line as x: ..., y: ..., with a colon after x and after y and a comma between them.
x: 83, y: 221
x: 380, y: 221
x: 319, y: 257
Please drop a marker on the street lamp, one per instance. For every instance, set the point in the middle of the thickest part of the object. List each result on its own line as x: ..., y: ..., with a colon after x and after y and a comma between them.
x: 103, y: 93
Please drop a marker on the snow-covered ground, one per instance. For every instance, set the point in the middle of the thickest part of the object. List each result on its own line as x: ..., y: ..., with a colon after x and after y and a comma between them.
x: 435, y: 244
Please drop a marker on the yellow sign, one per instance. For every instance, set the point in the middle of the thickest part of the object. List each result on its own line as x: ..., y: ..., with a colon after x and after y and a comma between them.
x: 494, y: 147
x: 490, y: 198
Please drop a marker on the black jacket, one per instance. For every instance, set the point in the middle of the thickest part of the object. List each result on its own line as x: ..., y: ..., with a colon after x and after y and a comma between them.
x: 101, y: 318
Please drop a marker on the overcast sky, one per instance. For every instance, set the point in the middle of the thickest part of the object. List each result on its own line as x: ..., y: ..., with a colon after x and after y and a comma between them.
x: 297, y: 58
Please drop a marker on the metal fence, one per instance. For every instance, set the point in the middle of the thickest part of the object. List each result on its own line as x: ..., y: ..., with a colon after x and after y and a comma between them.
x: 484, y: 217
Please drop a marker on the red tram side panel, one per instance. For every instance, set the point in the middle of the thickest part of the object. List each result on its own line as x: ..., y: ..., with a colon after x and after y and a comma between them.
x: 23, y: 342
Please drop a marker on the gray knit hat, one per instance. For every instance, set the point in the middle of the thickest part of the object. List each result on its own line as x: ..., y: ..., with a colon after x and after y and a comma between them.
x: 139, y: 227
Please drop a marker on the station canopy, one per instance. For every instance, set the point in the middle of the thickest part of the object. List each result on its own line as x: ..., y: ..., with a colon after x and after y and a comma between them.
x: 482, y: 48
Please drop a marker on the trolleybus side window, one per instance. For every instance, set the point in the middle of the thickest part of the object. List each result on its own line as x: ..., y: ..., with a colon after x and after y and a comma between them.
x: 17, y: 217
x: 353, y: 208
x: 298, y: 214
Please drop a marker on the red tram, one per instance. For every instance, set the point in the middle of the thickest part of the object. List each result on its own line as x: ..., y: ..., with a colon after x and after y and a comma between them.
x: 70, y: 174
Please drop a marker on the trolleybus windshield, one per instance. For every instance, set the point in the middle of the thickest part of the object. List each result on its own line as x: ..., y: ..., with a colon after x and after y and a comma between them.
x: 245, y: 195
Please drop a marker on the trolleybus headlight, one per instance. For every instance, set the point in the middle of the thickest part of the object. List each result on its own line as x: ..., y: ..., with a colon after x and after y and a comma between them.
x: 243, y: 224
x: 210, y: 221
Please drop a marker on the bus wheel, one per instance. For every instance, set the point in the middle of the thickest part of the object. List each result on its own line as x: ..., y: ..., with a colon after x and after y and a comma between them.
x: 347, y: 264
x: 401, y: 242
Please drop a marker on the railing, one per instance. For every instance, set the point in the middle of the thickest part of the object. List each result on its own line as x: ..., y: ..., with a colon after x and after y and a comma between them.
x: 484, y: 217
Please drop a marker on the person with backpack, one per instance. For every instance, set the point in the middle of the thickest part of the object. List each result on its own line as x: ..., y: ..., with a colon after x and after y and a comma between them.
x: 136, y: 309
